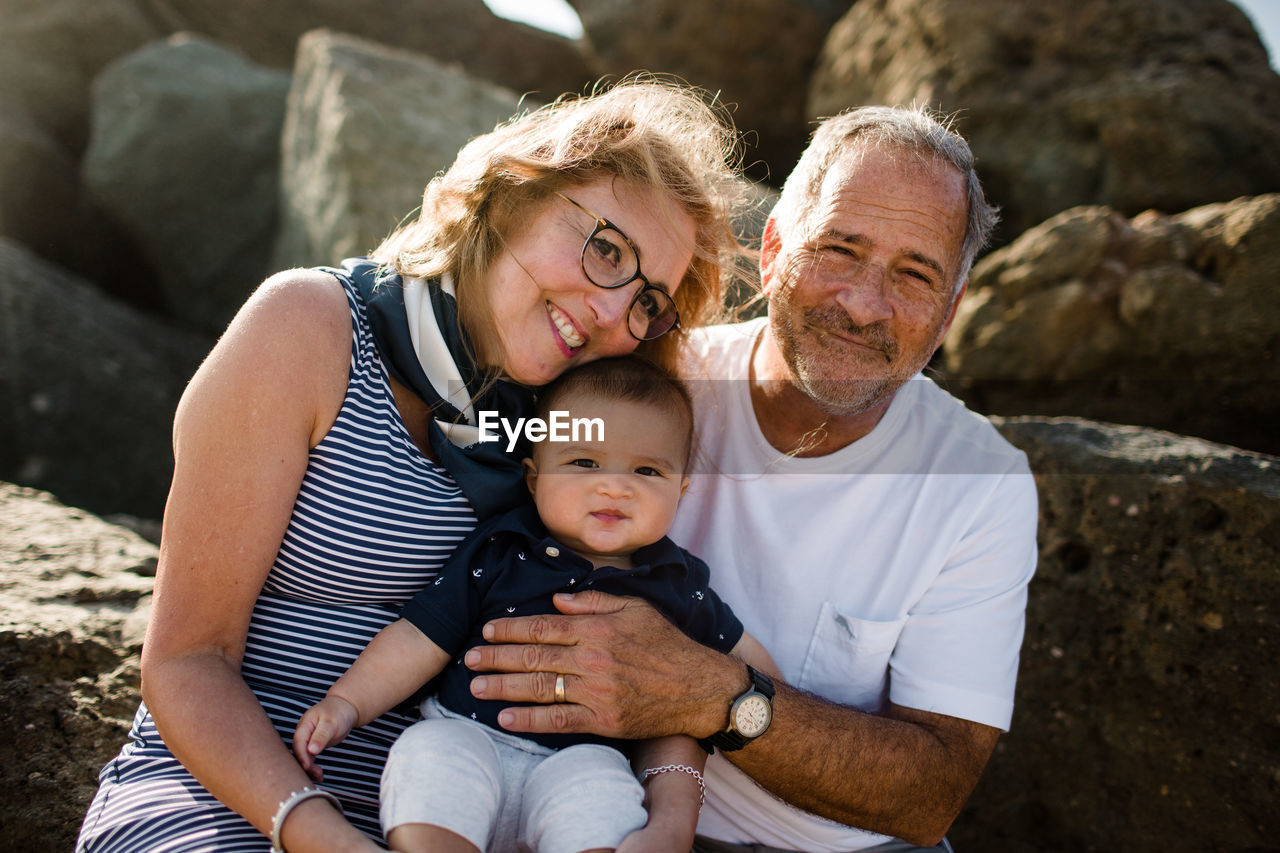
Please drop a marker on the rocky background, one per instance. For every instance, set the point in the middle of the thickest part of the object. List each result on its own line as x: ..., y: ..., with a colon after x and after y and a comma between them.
x: 158, y: 158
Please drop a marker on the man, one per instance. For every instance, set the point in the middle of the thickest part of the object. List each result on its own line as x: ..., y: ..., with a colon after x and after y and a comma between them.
x: 892, y: 597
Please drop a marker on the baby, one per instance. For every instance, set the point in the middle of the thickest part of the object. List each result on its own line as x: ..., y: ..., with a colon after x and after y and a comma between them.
x: 602, y: 505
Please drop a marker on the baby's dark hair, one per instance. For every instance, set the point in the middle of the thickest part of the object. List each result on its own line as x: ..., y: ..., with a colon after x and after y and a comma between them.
x: 629, y: 377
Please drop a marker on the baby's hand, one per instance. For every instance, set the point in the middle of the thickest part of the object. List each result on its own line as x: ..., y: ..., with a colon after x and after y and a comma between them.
x: 656, y: 838
x: 323, y: 725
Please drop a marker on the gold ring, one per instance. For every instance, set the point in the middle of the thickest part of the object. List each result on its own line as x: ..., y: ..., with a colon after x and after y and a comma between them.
x: 559, y: 688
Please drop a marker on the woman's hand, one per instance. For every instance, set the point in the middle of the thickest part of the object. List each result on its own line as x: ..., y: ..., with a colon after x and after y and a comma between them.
x: 327, y: 722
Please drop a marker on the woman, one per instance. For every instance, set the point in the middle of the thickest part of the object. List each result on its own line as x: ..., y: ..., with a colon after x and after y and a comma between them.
x: 322, y: 467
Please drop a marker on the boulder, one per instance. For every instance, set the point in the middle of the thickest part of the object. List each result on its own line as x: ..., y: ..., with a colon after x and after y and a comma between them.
x: 1145, y: 715
x: 462, y: 32
x: 184, y: 154
x: 89, y: 388
x: 367, y: 127
x: 1132, y: 104
x: 50, y: 50
x: 40, y: 186
x: 1166, y: 321
x: 756, y: 56
x: 73, y: 597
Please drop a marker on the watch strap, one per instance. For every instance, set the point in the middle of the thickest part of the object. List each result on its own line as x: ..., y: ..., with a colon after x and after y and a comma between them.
x: 730, y: 739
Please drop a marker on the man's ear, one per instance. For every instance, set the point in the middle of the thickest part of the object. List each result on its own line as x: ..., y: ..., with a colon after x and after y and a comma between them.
x: 770, y: 250
x: 951, y: 312
x: 530, y: 475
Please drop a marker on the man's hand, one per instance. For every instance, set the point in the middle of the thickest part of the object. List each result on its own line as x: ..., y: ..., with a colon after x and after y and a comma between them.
x: 628, y: 672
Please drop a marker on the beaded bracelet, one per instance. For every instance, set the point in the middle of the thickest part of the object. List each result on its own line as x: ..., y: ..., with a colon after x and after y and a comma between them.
x: 679, y: 768
x: 291, y: 802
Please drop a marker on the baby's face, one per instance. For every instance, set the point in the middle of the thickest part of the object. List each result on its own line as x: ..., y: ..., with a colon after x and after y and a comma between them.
x: 605, y: 498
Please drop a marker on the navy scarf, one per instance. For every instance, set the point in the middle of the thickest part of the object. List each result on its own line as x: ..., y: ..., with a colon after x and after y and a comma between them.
x: 490, y: 477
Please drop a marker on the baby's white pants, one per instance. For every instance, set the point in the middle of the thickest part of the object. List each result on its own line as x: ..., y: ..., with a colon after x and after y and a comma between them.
x: 504, y: 793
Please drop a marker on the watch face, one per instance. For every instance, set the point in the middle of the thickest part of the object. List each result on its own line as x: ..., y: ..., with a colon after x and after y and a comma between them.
x: 752, y: 716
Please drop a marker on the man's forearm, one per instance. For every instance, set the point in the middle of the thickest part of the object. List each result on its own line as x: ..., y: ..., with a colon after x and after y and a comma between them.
x: 906, y: 774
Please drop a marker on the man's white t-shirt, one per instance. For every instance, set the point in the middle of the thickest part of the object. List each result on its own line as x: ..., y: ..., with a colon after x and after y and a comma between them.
x: 894, y: 569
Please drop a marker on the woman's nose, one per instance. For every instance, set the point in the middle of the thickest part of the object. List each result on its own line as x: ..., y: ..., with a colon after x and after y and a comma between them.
x: 609, y: 310
x: 609, y: 307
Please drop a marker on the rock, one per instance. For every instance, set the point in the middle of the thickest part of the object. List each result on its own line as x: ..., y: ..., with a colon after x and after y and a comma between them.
x: 1145, y: 716
x: 367, y: 128
x: 1161, y: 321
x: 462, y: 32
x: 69, y: 585
x: 89, y: 388
x: 50, y: 50
x: 184, y: 154
x: 756, y: 55
x: 40, y: 186
x: 1132, y: 104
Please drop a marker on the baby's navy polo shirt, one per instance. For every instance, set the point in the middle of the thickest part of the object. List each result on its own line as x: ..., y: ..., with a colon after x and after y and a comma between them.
x: 510, y: 566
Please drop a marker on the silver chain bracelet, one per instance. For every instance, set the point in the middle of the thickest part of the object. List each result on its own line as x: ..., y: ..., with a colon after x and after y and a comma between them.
x: 679, y: 768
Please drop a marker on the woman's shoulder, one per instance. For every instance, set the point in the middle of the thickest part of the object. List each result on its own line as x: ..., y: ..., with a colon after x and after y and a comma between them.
x: 292, y: 339
x: 305, y: 295
x: 305, y: 310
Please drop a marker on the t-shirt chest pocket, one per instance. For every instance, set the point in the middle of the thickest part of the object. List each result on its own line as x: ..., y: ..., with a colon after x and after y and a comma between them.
x: 848, y: 658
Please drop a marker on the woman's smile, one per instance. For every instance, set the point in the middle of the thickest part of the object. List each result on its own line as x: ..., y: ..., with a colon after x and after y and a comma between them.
x: 567, y: 329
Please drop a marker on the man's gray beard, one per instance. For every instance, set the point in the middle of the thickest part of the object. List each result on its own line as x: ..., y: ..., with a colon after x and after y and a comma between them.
x: 839, y: 397
x: 843, y: 397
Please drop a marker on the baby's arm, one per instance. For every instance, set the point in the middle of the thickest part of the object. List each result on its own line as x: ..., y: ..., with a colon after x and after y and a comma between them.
x: 673, y: 794
x: 398, y: 661
x: 749, y: 650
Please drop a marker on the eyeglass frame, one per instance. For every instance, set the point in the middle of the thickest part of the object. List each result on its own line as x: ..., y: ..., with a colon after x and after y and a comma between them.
x: 603, y: 224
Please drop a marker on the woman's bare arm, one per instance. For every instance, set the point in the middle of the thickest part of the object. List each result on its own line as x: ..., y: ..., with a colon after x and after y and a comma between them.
x: 267, y: 393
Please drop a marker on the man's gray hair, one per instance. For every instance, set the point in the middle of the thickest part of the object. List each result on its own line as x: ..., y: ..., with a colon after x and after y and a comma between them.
x: 916, y: 130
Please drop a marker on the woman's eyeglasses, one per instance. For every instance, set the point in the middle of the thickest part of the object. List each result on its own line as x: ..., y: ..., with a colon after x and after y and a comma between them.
x: 610, y: 261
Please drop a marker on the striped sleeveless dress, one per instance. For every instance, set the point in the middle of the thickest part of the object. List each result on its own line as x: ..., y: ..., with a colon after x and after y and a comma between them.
x: 373, y: 523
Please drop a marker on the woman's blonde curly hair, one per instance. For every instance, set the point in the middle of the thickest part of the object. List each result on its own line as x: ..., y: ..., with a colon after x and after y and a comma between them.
x: 651, y: 133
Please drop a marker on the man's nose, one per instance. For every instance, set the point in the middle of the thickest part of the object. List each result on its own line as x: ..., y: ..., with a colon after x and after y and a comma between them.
x: 864, y: 295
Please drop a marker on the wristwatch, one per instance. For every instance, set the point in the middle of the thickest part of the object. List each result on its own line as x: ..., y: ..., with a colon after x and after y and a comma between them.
x: 749, y: 716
